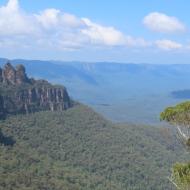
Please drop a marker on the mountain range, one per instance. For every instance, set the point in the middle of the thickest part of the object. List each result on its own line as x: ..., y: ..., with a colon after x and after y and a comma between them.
x: 133, y: 93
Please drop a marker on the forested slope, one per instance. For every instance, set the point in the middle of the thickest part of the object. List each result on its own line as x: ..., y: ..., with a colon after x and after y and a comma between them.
x: 78, y: 149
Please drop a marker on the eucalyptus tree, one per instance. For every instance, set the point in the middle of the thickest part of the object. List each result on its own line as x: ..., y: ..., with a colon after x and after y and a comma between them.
x: 179, y: 117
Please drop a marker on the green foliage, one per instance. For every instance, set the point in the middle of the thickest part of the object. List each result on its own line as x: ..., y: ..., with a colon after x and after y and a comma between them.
x: 179, y: 114
x: 7, y: 141
x: 79, y: 150
x: 181, y: 175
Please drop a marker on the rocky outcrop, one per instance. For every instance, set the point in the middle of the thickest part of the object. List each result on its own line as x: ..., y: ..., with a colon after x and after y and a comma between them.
x: 38, y: 99
x: 21, y: 76
x: 11, y: 75
x: 20, y: 94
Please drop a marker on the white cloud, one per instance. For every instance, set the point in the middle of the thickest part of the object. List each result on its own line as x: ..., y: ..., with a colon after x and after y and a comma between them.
x: 160, y: 22
x: 52, y: 26
x: 53, y: 18
x: 168, y: 45
x: 54, y: 29
x: 13, y: 21
x: 100, y: 34
x: 49, y: 18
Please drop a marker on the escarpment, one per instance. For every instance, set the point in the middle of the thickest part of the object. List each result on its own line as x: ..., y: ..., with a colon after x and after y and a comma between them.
x: 20, y: 94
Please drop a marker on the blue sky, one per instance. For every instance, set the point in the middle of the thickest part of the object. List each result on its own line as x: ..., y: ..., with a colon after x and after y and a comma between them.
x: 139, y: 31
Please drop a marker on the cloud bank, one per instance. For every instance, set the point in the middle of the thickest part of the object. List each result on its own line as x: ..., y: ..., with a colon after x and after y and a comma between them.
x: 53, y: 28
x: 160, y: 22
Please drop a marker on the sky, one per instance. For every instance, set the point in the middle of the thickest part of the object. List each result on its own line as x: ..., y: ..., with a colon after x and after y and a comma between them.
x: 138, y: 31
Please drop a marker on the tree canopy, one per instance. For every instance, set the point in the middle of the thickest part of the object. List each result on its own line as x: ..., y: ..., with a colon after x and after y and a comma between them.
x: 77, y: 149
x: 179, y: 116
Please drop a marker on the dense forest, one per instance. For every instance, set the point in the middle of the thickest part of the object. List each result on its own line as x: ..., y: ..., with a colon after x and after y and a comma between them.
x: 77, y: 149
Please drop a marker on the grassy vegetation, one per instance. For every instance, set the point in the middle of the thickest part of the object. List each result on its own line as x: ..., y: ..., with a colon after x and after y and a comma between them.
x: 77, y: 149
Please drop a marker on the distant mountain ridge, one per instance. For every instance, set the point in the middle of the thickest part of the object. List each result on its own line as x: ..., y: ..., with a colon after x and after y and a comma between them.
x: 21, y: 94
x: 135, y: 93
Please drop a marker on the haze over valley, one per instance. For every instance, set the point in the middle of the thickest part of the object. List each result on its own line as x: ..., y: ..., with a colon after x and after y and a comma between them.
x: 133, y: 93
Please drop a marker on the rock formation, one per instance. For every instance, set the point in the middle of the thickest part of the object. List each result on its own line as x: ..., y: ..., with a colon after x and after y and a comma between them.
x: 20, y: 94
x: 10, y: 75
x: 21, y: 75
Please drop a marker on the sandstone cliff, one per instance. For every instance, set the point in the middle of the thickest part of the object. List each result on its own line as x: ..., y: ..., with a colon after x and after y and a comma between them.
x: 20, y: 94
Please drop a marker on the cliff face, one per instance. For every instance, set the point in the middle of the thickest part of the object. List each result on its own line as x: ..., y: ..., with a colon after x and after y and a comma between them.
x: 20, y: 94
